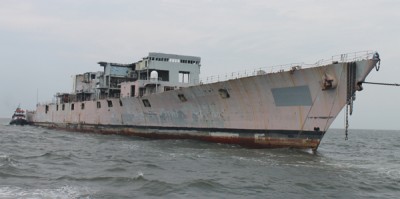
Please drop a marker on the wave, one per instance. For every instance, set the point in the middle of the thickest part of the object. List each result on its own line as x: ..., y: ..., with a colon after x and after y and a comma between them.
x: 6, y: 160
x: 203, y: 184
x: 59, y: 192
x: 54, y: 155
x: 11, y: 168
x: 394, y: 174
x: 4, y: 174
x: 116, y: 169
x: 111, y: 179
x: 144, y: 186
x: 4, y: 157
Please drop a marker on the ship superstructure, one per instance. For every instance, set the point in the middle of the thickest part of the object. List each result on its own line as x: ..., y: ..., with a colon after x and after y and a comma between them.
x: 161, y: 96
x: 156, y: 73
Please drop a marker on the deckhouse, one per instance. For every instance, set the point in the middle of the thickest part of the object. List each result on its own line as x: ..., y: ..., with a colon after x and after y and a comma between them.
x: 158, y: 72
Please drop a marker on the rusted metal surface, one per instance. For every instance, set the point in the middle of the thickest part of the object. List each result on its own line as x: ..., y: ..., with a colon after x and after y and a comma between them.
x: 246, y: 103
x: 250, y: 141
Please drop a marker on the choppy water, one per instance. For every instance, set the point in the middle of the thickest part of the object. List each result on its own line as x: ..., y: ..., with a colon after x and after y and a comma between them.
x: 42, y: 163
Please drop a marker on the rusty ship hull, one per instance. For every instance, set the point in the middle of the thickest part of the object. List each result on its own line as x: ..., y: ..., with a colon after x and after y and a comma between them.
x: 291, y: 108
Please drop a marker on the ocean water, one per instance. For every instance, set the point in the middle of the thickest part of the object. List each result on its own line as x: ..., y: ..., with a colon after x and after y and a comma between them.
x: 41, y: 163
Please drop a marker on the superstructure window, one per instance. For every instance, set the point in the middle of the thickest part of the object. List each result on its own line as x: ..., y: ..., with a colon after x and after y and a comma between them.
x: 174, y: 60
x: 83, y: 106
x: 120, y: 102
x: 98, y: 104
x: 184, y: 77
x: 63, y: 107
x: 163, y: 75
x: 146, y: 103
x: 47, y: 108
x: 184, y: 61
x: 168, y: 88
x: 72, y: 107
x: 57, y: 107
x: 109, y: 102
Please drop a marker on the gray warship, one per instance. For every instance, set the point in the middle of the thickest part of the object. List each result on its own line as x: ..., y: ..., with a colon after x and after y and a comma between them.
x: 162, y: 96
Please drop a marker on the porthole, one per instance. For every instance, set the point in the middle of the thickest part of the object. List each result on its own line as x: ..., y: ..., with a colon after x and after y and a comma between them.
x: 223, y: 93
x: 182, y: 97
x: 146, y: 103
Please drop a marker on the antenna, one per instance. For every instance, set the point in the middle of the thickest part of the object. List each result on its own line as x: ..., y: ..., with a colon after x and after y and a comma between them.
x: 37, y: 97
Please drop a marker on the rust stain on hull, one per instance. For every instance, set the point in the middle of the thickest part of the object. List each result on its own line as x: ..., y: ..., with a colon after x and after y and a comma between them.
x: 252, y: 141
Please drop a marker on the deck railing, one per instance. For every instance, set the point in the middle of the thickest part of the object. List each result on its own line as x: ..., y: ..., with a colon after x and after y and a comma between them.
x: 348, y: 57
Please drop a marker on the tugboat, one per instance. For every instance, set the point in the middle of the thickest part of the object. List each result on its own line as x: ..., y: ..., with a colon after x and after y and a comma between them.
x: 19, y: 117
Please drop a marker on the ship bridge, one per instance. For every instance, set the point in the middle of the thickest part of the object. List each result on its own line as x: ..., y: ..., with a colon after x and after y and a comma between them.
x: 159, y: 72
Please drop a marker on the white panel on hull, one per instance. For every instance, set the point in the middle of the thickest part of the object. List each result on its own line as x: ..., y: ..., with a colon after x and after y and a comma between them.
x: 226, y: 135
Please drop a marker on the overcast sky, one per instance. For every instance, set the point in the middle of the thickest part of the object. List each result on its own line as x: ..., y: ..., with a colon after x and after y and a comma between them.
x: 44, y: 42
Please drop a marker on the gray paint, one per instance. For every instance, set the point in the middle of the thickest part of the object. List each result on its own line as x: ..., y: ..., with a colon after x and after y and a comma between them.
x: 165, y: 55
x: 292, y: 96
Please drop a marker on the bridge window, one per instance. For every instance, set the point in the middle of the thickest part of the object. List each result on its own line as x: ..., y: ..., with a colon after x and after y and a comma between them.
x: 98, y: 104
x: 109, y: 102
x: 83, y: 106
x: 72, y: 107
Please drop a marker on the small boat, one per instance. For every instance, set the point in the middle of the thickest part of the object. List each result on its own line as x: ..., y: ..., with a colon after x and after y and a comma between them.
x: 19, y: 117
